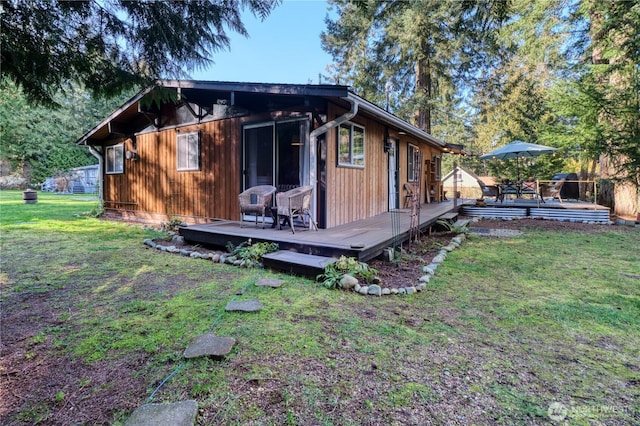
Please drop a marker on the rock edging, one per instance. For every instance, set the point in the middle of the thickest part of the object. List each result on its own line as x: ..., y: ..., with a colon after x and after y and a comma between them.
x: 429, y: 271
x: 212, y: 256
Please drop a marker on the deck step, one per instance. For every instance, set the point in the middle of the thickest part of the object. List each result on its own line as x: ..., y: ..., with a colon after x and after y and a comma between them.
x: 449, y: 217
x: 297, y: 263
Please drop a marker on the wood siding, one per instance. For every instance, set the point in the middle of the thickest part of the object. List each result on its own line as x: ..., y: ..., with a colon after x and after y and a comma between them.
x: 152, y: 187
x: 358, y: 193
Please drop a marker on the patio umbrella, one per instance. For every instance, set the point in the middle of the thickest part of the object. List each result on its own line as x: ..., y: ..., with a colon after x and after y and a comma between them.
x: 517, y: 149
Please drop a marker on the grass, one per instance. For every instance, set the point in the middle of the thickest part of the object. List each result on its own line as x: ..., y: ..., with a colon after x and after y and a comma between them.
x: 508, y: 327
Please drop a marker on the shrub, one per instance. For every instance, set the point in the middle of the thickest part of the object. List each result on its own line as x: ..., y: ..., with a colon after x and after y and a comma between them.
x: 251, y: 254
x: 334, y: 272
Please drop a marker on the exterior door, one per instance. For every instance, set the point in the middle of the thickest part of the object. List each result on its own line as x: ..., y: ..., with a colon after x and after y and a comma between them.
x: 274, y: 154
x: 393, y: 174
x: 259, y: 155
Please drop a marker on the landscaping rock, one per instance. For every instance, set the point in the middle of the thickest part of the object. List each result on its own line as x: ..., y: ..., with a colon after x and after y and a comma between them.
x: 181, y: 413
x: 410, y: 290
x: 438, y: 259
x: 215, y: 258
x: 394, y: 291
x: 386, y: 291
x: 269, y: 282
x: 252, y: 305
x: 402, y: 290
x: 429, y: 269
x: 364, y: 290
x: 209, y: 345
x: 348, y: 282
x: 425, y: 278
x: 356, y: 288
x: 149, y: 242
x: 375, y: 290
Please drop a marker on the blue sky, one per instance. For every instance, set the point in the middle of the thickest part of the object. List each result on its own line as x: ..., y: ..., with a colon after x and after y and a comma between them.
x: 284, y: 48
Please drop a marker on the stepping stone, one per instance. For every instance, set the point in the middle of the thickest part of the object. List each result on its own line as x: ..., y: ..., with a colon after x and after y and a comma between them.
x: 209, y: 345
x: 178, y: 414
x: 244, y: 305
x: 269, y: 282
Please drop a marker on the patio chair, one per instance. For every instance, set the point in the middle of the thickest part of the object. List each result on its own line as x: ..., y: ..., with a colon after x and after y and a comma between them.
x: 554, y: 191
x: 489, y: 190
x: 256, y: 200
x: 528, y: 187
x: 295, y: 203
x: 508, y: 188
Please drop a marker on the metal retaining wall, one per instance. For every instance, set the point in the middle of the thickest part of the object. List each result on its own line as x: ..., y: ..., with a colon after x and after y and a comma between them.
x: 572, y: 215
x: 601, y: 216
x: 494, y: 212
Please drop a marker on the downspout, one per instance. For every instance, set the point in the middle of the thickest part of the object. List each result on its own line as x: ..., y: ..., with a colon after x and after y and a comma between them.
x: 100, y: 177
x: 313, y: 151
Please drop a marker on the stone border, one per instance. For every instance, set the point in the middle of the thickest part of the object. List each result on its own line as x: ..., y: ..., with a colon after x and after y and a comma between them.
x: 215, y: 257
x: 429, y: 271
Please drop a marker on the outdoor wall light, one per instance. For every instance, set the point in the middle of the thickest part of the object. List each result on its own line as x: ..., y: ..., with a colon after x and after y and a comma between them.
x: 131, y: 155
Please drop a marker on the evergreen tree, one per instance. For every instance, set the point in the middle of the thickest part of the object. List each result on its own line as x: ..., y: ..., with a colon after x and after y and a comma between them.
x: 37, y: 141
x: 414, y: 57
x: 113, y: 45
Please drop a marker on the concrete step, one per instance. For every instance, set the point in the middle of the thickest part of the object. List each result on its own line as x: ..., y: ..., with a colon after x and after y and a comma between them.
x: 297, y: 263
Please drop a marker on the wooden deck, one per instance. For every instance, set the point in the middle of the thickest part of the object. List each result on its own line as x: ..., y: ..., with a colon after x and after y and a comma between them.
x: 364, y: 239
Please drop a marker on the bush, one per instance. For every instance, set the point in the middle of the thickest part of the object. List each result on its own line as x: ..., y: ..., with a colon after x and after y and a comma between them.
x: 334, y: 272
x: 251, y: 254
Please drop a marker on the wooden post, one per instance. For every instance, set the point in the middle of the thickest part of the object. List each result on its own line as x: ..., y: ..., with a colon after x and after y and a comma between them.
x: 455, y: 186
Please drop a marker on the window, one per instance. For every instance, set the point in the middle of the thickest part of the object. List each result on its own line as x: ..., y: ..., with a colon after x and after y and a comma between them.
x: 115, y: 159
x: 188, y: 151
x: 412, y: 163
x: 350, y: 145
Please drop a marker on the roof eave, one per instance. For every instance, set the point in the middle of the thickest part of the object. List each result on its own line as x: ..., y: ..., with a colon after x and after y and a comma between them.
x: 83, y: 140
x: 396, y: 122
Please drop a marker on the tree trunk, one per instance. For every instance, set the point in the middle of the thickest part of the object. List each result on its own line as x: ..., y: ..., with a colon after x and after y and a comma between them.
x: 423, y: 84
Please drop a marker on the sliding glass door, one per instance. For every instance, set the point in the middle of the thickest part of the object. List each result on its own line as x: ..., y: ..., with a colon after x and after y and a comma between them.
x: 274, y: 154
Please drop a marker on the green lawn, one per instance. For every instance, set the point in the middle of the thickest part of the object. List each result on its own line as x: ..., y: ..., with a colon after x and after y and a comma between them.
x: 93, y: 321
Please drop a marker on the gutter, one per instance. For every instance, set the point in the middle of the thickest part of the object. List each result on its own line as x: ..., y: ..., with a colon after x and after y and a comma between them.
x: 313, y: 141
x: 100, y: 177
x: 394, y: 121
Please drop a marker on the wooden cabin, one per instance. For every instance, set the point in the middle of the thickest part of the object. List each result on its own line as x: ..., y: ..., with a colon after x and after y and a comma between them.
x: 188, y: 148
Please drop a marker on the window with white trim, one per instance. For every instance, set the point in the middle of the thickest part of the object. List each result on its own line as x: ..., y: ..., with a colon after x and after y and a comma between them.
x: 412, y: 163
x: 114, y: 159
x: 188, y: 151
x: 350, y: 145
